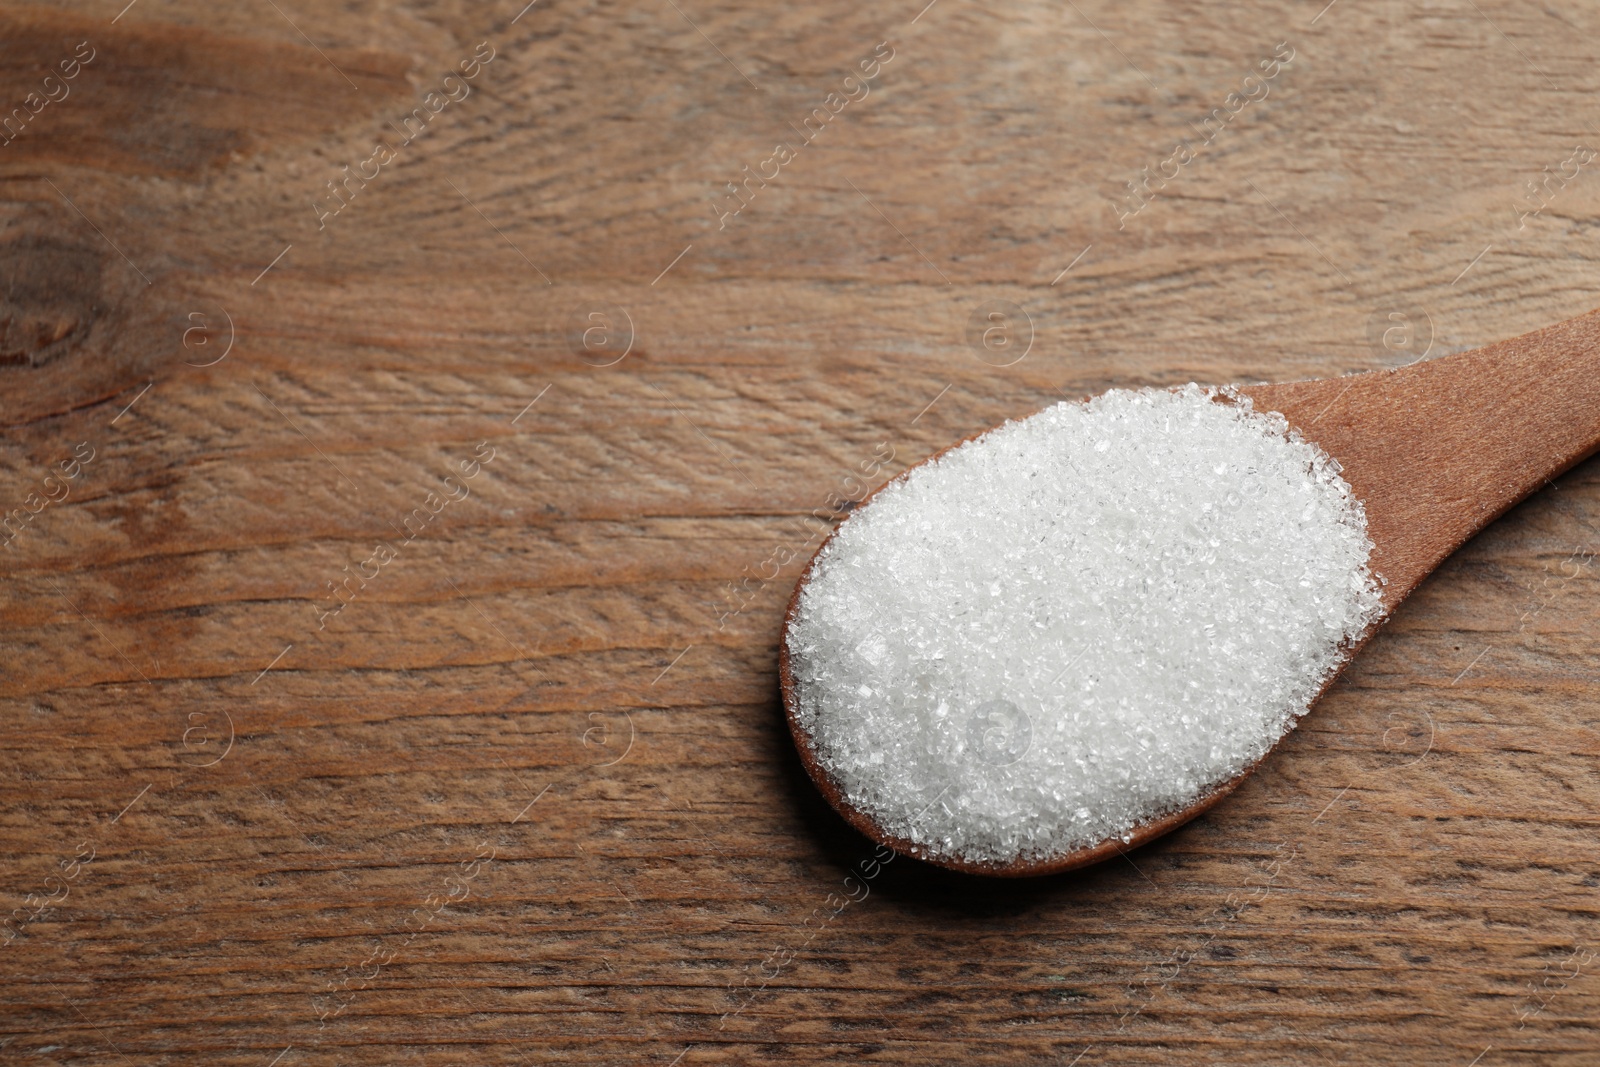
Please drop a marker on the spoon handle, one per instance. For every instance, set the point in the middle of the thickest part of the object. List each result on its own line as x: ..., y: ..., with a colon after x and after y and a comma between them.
x: 1437, y: 450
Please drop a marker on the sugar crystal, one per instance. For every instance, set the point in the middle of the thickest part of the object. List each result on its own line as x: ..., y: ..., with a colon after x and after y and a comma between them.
x: 1078, y: 622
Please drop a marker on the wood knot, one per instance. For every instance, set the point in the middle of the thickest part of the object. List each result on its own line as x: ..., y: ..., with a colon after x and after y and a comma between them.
x: 49, y: 297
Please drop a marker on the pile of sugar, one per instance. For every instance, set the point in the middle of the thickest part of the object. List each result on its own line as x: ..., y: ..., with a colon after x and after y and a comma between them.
x: 1078, y: 622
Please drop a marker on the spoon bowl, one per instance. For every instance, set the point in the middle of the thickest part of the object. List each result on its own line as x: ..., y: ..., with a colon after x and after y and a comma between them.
x: 1434, y: 451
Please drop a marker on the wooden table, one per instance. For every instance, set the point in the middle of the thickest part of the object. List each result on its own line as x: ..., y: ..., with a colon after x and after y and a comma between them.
x: 392, y: 680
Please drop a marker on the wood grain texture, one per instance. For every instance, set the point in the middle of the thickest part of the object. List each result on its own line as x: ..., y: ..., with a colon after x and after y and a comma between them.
x: 572, y: 670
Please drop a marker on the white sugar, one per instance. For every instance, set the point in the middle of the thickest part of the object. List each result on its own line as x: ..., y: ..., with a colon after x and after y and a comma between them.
x: 1078, y: 622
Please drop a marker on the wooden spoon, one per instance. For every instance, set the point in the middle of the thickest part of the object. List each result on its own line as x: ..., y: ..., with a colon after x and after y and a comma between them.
x: 1434, y: 450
